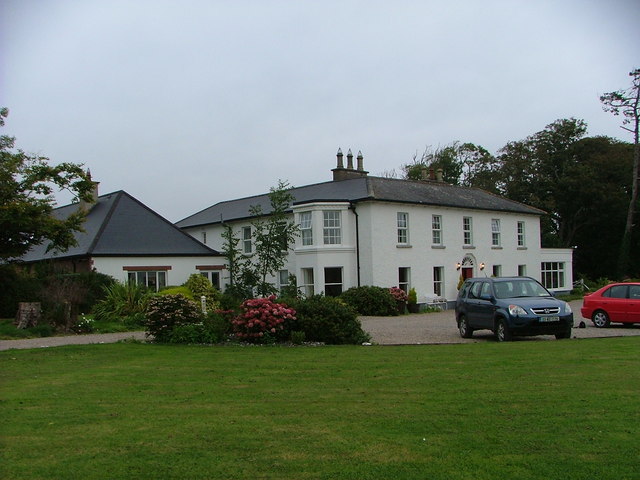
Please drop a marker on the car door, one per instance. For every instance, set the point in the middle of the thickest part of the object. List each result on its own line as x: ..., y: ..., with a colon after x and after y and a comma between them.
x: 633, y: 307
x: 480, y: 309
x: 615, y: 302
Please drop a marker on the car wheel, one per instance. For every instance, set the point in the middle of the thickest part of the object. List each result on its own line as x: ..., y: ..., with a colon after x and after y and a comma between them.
x: 601, y: 319
x: 503, y: 334
x: 463, y: 327
x: 565, y: 334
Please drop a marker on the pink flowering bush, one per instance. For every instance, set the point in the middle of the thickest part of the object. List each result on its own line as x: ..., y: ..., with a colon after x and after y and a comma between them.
x: 398, y: 294
x: 261, y: 319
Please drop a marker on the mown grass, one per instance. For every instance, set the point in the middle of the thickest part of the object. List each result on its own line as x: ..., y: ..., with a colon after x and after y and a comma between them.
x: 524, y: 410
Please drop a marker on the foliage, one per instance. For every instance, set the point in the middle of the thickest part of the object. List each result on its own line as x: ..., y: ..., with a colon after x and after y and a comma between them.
x: 412, y: 297
x: 83, y: 325
x: 165, y: 312
x: 27, y: 184
x: 8, y: 331
x: 16, y: 286
x: 328, y: 320
x: 201, y: 286
x: 122, y: 300
x: 242, y: 277
x: 262, y: 319
x: 371, y: 300
x: 398, y: 294
x: 177, y: 290
x: 627, y: 103
x: 273, y: 234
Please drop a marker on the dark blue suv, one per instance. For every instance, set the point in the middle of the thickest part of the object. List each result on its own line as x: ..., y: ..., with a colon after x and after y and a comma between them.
x: 511, y: 306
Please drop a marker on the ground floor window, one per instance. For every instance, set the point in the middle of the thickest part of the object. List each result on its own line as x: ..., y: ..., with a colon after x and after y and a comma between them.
x: 522, y: 270
x: 283, y: 279
x: 552, y: 274
x: 213, y: 277
x: 308, y: 282
x: 496, y: 270
x: 332, y: 281
x: 438, y: 280
x: 404, y: 278
x: 154, y: 278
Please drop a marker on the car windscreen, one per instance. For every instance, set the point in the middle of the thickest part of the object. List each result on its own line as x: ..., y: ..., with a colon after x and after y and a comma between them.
x: 519, y: 288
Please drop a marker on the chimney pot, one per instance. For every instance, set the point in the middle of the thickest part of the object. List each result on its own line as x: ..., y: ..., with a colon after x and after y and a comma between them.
x: 339, y: 155
x: 439, y: 176
x: 360, y: 161
x: 350, y: 160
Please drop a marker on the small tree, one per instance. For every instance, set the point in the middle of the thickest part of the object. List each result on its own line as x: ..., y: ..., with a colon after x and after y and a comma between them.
x: 242, y: 277
x: 627, y: 103
x: 26, y: 186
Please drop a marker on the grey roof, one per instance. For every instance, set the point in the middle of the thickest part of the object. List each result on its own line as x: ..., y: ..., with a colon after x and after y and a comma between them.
x: 367, y: 189
x: 120, y: 225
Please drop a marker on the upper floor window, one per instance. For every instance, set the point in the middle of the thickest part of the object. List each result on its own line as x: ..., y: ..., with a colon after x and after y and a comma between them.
x: 332, y: 232
x: 495, y: 232
x: 436, y: 229
x: 403, y: 227
x: 521, y: 242
x: 306, y: 230
x: 467, y: 231
x: 246, y: 240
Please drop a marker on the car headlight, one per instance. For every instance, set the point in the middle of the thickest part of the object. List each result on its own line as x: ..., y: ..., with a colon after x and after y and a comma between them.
x: 515, y: 310
x: 567, y: 308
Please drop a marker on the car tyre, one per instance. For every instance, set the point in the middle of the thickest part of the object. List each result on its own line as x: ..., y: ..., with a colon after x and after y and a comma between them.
x: 564, y: 334
x: 503, y: 334
x: 463, y: 327
x: 601, y: 319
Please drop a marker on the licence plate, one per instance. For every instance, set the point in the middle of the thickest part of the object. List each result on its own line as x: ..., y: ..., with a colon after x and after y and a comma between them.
x: 549, y: 319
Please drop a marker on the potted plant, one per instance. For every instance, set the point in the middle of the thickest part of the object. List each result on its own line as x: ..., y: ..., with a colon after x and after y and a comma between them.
x: 412, y: 301
x: 400, y: 297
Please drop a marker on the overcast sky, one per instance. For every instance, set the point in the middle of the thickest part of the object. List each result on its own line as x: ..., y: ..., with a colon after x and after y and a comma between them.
x: 187, y: 103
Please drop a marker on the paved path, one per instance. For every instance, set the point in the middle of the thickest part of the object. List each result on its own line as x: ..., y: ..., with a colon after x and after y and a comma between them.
x: 416, y: 329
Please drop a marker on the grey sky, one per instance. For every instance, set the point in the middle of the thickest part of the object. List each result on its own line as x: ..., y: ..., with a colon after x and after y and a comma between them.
x: 187, y: 103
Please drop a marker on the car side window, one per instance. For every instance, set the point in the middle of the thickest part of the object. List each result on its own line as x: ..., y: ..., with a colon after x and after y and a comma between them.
x: 475, y: 290
x: 486, y: 289
x: 634, y: 292
x: 618, y: 291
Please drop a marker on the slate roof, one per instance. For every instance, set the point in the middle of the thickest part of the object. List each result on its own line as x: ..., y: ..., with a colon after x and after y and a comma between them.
x: 119, y: 225
x: 367, y: 189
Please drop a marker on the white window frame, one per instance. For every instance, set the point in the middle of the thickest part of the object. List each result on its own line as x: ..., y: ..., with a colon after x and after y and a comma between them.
x: 553, y: 274
x: 306, y: 228
x: 152, y: 279
x: 436, y: 229
x: 520, y: 230
x: 467, y: 231
x: 402, y: 222
x: 438, y: 280
x: 332, y: 227
x: 283, y: 279
x: 331, y: 285
x: 247, y: 241
x: 495, y: 232
x: 308, y: 282
x: 404, y: 283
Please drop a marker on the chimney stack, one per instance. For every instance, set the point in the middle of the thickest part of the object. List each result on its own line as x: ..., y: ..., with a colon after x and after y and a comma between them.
x: 88, y: 204
x: 439, y: 176
x: 342, y: 173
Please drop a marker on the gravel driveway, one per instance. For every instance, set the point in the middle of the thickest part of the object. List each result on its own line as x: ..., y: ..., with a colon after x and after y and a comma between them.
x: 440, y: 327
x: 416, y: 329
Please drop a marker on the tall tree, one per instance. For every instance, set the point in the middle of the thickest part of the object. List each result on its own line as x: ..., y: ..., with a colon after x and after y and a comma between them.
x: 27, y: 184
x: 627, y: 103
x: 273, y: 236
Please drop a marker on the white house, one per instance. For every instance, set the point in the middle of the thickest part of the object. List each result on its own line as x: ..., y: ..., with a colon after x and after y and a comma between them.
x: 125, y: 239
x: 363, y: 230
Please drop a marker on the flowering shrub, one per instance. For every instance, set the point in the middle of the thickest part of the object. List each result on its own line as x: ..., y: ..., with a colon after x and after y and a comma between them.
x: 164, y: 312
x: 83, y: 325
x: 399, y: 294
x: 261, y: 319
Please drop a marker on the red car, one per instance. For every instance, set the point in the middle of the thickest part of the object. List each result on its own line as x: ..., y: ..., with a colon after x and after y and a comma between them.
x: 617, y: 302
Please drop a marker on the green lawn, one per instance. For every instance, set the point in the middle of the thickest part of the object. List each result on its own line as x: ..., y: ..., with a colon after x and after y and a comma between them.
x: 523, y: 410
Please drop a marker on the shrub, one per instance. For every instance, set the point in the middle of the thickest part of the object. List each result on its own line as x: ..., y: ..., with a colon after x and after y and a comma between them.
x: 261, y: 320
x: 371, y: 301
x: 122, y: 300
x: 164, y: 312
x: 413, y: 296
x: 200, y: 286
x: 175, y: 290
x: 398, y: 294
x: 328, y: 320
